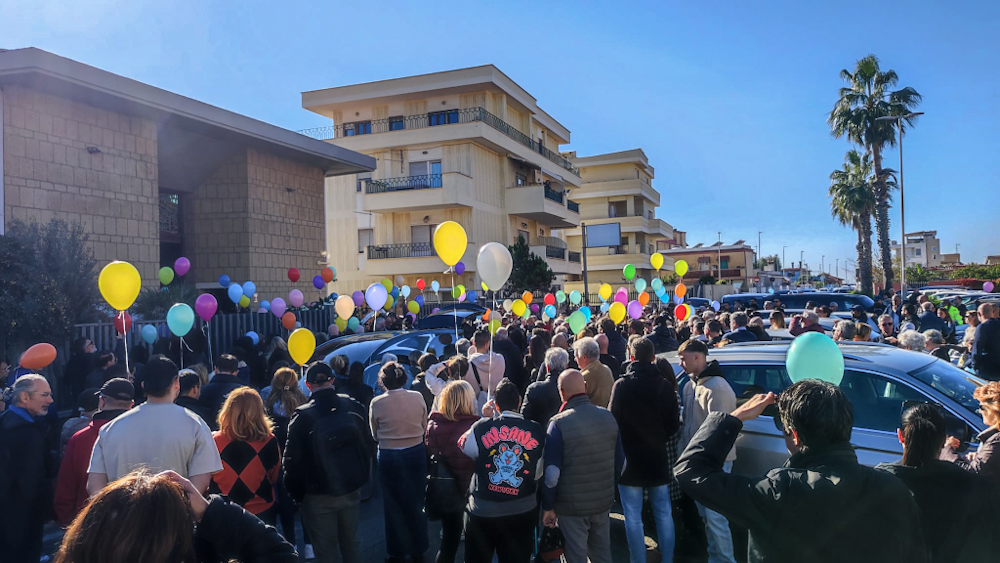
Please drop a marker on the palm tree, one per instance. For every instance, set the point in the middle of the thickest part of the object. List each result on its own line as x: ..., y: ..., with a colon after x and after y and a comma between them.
x: 868, y: 96
x: 852, y: 201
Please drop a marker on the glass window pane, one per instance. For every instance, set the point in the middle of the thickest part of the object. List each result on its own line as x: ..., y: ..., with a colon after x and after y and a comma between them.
x: 876, y: 401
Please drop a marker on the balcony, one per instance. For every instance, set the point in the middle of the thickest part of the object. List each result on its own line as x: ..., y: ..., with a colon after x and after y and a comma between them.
x: 543, y: 204
x: 417, y: 193
x: 404, y: 250
x: 437, y: 119
x: 555, y: 252
x: 408, y: 258
x: 573, y: 206
x: 727, y: 274
x: 574, y: 256
x: 401, y: 184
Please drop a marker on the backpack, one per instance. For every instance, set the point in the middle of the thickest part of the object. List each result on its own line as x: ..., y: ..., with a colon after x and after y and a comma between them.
x: 339, y: 445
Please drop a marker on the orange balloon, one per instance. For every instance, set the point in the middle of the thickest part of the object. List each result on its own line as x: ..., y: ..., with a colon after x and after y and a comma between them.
x: 38, y: 356
x: 681, y: 290
x: 643, y: 298
x: 288, y: 320
x: 327, y: 275
x: 527, y: 297
x: 486, y: 315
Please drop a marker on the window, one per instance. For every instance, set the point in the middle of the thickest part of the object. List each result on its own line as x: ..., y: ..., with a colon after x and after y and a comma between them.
x: 397, y: 123
x: 364, y: 240
x: 431, y: 169
x: 420, y: 237
x: 918, y: 252
x: 524, y: 235
x: 877, y: 401
x: 357, y: 128
x: 520, y: 180
x: 724, y: 264
x: 442, y: 117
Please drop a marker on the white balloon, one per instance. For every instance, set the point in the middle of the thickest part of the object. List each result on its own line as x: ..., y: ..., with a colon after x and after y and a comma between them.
x: 344, y: 306
x: 494, y: 264
x: 495, y: 315
x: 507, y: 304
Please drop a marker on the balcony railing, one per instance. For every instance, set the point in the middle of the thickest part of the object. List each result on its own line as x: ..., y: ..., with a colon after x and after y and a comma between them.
x: 555, y: 252
x: 434, y: 119
x: 400, y: 184
x: 404, y: 250
x: 574, y: 256
x: 572, y: 206
x: 553, y: 195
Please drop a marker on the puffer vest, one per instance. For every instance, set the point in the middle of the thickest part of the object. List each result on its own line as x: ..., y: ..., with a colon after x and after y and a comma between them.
x: 587, y: 479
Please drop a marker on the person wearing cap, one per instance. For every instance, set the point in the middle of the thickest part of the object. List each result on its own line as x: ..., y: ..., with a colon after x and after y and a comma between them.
x: 87, y: 404
x: 113, y: 398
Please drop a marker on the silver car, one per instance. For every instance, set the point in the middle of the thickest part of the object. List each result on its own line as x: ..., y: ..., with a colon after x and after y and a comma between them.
x: 878, y: 379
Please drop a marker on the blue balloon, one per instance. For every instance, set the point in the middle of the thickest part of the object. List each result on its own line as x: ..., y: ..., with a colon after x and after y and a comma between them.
x: 550, y: 310
x: 265, y: 305
x: 235, y: 292
x: 605, y: 306
x: 471, y: 296
x: 660, y: 292
x: 814, y: 356
x: 253, y: 336
x: 587, y: 312
x: 180, y: 319
x: 678, y: 299
x: 394, y: 293
x: 405, y: 290
x: 249, y: 289
x: 149, y: 334
x: 318, y: 282
x: 420, y: 300
x: 376, y: 296
x: 224, y: 280
x: 435, y: 286
x: 716, y: 305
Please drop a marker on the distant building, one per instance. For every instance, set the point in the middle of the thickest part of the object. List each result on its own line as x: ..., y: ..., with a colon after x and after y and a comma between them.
x: 827, y: 279
x: 954, y: 259
x: 993, y: 260
x: 724, y: 262
x: 922, y: 249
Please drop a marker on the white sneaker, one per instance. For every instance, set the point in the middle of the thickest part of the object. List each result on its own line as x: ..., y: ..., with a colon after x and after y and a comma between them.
x: 308, y: 552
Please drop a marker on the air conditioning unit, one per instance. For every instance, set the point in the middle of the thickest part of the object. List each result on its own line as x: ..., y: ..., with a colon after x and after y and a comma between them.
x: 538, y: 177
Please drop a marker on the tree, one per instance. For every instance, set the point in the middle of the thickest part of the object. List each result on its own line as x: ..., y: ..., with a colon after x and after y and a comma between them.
x: 868, y: 96
x: 153, y: 303
x: 767, y: 260
x: 531, y: 272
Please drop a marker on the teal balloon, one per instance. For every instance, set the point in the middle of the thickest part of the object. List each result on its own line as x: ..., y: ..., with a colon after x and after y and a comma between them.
x: 353, y: 323
x: 180, y: 319
x: 577, y: 321
x: 656, y: 284
x: 660, y: 292
x: 587, y: 313
x: 560, y: 297
x: 149, y: 334
x: 640, y: 285
x: 814, y: 356
x: 575, y: 297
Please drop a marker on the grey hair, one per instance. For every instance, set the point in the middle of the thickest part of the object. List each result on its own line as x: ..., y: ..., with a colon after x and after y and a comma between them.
x: 463, y: 346
x: 501, y: 333
x: 757, y: 321
x: 389, y: 357
x: 24, y: 384
x: 934, y: 336
x: 846, y: 329
x: 588, y: 348
x: 557, y: 359
x: 810, y: 316
x: 883, y: 317
x: 912, y: 340
x: 927, y: 306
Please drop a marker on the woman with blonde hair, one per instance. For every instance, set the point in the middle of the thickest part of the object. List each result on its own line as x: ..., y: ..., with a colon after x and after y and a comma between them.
x: 455, y: 415
x: 247, y: 480
x: 985, y: 461
x: 864, y: 333
x: 777, y: 319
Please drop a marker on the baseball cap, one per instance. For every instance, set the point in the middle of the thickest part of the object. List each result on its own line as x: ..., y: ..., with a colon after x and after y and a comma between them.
x: 118, y: 389
x: 318, y: 373
x: 88, y: 400
x: 858, y: 309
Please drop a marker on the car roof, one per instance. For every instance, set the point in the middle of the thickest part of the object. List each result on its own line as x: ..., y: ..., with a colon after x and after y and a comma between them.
x: 341, y: 341
x: 855, y: 353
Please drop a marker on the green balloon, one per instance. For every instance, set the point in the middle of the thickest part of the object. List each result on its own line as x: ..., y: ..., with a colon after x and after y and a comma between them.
x: 560, y: 296
x: 166, y: 275
x: 629, y: 272
x: 577, y: 321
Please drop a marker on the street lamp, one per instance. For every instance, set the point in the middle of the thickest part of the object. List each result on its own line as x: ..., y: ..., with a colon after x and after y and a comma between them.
x: 720, y: 255
x: 902, y: 216
x: 783, y: 265
x: 759, y: 255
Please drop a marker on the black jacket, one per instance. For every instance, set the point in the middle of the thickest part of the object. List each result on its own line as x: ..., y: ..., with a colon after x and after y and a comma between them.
x: 956, y: 510
x: 360, y: 392
x: 199, y: 408
x: 986, y: 350
x: 613, y: 364
x: 542, y: 401
x: 821, y: 506
x: 740, y: 336
x: 227, y: 532
x: 26, y: 473
x: 303, y: 472
x: 760, y: 333
x: 618, y: 346
x: 419, y: 385
x: 513, y: 363
x: 663, y: 339
x: 214, y: 394
x: 648, y: 414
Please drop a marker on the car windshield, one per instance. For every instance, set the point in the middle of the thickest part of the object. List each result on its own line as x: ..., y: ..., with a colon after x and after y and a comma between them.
x: 951, y: 381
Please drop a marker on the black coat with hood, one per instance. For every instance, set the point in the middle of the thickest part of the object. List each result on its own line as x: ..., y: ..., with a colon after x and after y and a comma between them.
x: 646, y: 408
x: 27, y: 470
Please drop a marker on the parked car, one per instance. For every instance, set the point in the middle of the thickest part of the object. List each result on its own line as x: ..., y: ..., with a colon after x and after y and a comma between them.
x: 878, y: 379
x: 432, y: 340
x: 338, y: 346
x: 844, y: 301
x: 745, y: 298
x: 698, y: 302
x: 445, y: 319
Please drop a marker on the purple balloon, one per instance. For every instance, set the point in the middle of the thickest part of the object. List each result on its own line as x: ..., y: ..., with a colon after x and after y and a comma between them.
x: 358, y: 297
x: 318, y: 282
x: 206, y: 305
x: 435, y: 310
x: 412, y: 316
x: 277, y: 307
x: 634, y: 309
x: 460, y: 268
x: 181, y: 267
x: 420, y: 300
x: 534, y: 307
x: 295, y: 298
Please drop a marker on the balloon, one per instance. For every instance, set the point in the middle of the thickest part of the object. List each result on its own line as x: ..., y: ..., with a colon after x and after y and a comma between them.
x: 681, y: 290
x: 419, y: 299
x: 605, y: 306
x: 577, y: 322
x: 484, y: 286
x: 278, y: 307
x: 575, y: 297
x: 461, y: 297
x: 394, y: 292
x: 301, y: 345
x: 621, y: 297
x: 550, y: 310
x: 450, y: 242
x: 549, y: 299
x: 388, y: 302
x: 224, y: 280
x: 421, y: 284
x: 166, y: 275
x: 38, y: 356
x: 353, y: 323
x: 206, y: 305
x: 387, y: 284
x: 254, y: 337
x: 681, y: 268
x: 435, y: 286
x: 400, y: 280
x: 413, y: 316
x: 288, y: 320
x: 527, y: 297
x: 358, y: 297
x: 507, y: 304
x: 605, y: 291
x: 327, y: 274
x: 405, y: 291
x: 457, y: 290
x: 640, y: 285
x: 235, y: 292
x: 770, y: 290
x: 988, y: 287
x: 149, y: 334
x: 376, y: 296
x: 180, y: 319
x: 413, y: 307
x: 681, y: 312
x: 344, y: 305
x: 814, y: 355
x: 656, y: 260
x: 435, y: 309
x: 494, y: 326
x: 678, y: 299
x: 518, y: 307
x: 295, y: 298
x: 661, y: 292
x: 244, y: 301
x: 293, y: 275
x: 586, y: 312
x: 318, y: 282
x: 634, y: 309
x: 119, y: 283
x: 460, y: 268
x: 249, y: 289
x: 123, y: 322
x: 182, y: 265
x: 560, y: 297
x: 341, y: 323
x: 629, y: 271
x: 494, y: 264
x: 494, y: 316
x: 656, y: 284
x: 265, y: 305
x: 716, y: 305
x: 617, y: 312
x: 472, y: 296
x: 534, y: 307
x: 643, y: 298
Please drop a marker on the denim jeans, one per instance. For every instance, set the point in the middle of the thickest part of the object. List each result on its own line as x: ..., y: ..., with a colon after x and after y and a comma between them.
x: 720, y: 539
x: 659, y: 499
x: 402, y: 475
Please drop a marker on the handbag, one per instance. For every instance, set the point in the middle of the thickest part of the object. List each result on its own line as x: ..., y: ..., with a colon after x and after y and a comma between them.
x: 443, y: 495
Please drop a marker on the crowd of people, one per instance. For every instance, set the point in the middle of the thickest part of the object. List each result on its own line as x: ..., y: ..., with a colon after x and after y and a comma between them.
x: 504, y: 439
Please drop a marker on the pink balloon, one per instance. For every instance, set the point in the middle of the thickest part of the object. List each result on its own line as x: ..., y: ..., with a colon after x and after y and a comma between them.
x: 278, y: 307
x: 295, y: 298
x: 988, y: 287
x: 181, y: 267
x: 634, y: 309
x: 461, y: 297
x: 622, y: 297
x: 206, y: 305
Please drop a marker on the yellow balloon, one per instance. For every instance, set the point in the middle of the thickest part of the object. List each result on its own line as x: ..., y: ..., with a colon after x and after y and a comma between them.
x: 388, y: 303
x: 681, y: 267
x: 119, y: 283
x: 387, y: 284
x: 485, y: 287
x: 518, y: 308
x: 413, y: 307
x: 617, y: 312
x: 605, y: 291
x: 656, y: 260
x: 244, y: 301
x: 341, y: 323
x: 494, y: 326
x: 450, y: 242
x: 301, y: 345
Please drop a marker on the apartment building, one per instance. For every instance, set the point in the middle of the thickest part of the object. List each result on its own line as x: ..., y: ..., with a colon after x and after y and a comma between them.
x: 466, y: 145
x: 733, y: 263
x: 923, y: 248
x: 618, y: 188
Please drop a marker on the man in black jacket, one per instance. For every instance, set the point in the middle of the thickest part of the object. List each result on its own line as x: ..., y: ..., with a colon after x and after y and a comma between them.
x: 617, y: 346
x: 662, y: 336
x: 224, y: 382
x: 738, y: 333
x: 607, y: 359
x: 188, y: 398
x: 645, y: 406
x: 541, y: 400
x: 822, y: 505
x: 329, y: 495
x: 986, y: 346
x: 513, y: 359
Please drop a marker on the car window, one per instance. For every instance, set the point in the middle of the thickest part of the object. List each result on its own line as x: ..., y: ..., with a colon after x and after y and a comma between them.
x: 876, y: 400
x: 951, y: 382
x: 402, y: 346
x: 748, y: 381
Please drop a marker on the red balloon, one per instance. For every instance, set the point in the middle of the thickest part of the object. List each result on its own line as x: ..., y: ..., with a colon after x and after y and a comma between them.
x: 293, y: 274
x: 420, y: 284
x: 288, y: 320
x: 550, y: 299
x: 38, y: 356
x: 681, y: 312
x: 123, y: 323
x: 327, y: 274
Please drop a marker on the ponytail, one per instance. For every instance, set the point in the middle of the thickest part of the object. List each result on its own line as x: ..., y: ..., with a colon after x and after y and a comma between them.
x: 924, y: 433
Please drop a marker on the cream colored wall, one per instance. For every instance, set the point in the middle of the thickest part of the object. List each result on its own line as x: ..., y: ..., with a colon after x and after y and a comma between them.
x: 608, y: 172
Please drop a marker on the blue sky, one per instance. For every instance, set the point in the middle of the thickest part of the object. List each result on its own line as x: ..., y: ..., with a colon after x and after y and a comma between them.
x: 729, y: 100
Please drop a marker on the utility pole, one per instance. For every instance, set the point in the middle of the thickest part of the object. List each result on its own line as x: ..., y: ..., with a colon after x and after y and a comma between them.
x: 838, y: 267
x: 586, y: 287
x: 902, y: 215
x: 783, y: 264
x: 720, y: 256
x: 802, y: 269
x: 759, y: 255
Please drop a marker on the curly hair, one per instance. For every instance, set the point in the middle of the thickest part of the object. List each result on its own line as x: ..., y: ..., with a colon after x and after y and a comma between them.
x: 989, y: 399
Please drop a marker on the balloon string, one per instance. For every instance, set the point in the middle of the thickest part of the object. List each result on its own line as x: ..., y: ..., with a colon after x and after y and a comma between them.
x: 125, y: 339
x: 208, y: 338
x: 452, y: 270
x: 182, y: 352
